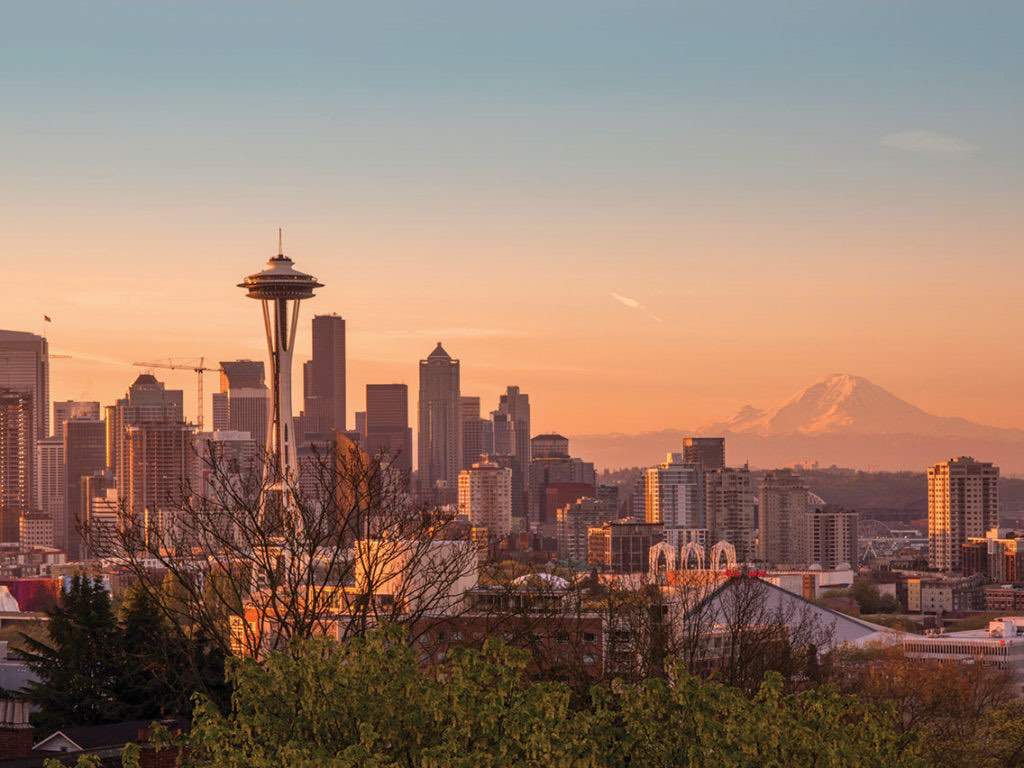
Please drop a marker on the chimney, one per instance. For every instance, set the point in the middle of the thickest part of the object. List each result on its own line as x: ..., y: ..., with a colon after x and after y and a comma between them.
x: 15, y: 732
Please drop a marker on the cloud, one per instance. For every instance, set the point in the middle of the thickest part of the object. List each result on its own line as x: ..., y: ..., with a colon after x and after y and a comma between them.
x: 928, y: 143
x: 634, y: 304
x: 631, y: 303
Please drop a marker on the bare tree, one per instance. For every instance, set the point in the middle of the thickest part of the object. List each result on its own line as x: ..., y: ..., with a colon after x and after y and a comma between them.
x: 248, y: 560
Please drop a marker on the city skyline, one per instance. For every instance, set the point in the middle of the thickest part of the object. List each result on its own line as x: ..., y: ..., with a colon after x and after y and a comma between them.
x: 801, y: 206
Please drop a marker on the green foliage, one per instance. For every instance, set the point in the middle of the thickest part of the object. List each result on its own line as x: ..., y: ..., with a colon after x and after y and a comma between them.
x: 369, y: 703
x: 94, y: 667
x: 80, y: 668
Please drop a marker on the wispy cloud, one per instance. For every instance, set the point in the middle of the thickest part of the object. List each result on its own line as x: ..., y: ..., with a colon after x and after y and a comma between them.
x: 928, y: 143
x: 634, y: 304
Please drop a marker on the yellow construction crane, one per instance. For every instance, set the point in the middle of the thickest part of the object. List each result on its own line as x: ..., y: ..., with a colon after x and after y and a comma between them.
x: 199, y: 370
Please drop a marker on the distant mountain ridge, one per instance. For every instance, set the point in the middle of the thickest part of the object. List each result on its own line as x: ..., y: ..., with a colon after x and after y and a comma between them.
x: 843, y: 419
x: 843, y: 403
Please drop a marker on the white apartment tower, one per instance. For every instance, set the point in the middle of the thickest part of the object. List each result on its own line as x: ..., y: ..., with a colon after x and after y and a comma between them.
x: 963, y: 501
x: 485, y: 497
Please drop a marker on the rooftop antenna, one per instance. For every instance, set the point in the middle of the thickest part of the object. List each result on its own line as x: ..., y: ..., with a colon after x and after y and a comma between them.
x: 280, y: 245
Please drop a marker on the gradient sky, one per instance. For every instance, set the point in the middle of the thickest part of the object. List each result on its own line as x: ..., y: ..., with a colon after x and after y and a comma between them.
x: 644, y: 214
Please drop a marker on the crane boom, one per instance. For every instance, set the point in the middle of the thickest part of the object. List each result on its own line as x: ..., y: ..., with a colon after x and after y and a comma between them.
x: 199, y: 370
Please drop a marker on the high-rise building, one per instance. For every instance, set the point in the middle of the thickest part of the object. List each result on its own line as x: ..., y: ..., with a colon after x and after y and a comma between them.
x: 673, y: 494
x: 963, y: 502
x: 159, y: 455
x: 783, y: 500
x: 17, y: 460
x: 485, y: 497
x: 280, y: 288
x: 146, y: 400
x: 84, y: 455
x: 328, y: 371
x: 729, y: 504
x: 516, y: 406
x: 65, y: 410
x: 504, y: 435
x: 35, y: 530
x: 361, y: 423
x: 827, y: 537
x: 223, y: 460
x: 477, y: 432
x: 243, y: 403
x: 549, y: 446
x: 387, y: 425
x: 25, y: 368
x: 708, y: 452
x: 623, y: 546
x: 550, y: 465
x: 574, y: 520
x: 50, y: 484
x: 440, y: 434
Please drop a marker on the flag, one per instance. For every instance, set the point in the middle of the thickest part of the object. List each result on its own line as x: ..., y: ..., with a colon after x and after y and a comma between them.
x: 47, y: 318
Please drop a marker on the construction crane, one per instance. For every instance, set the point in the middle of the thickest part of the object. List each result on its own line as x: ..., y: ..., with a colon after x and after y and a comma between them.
x: 199, y: 370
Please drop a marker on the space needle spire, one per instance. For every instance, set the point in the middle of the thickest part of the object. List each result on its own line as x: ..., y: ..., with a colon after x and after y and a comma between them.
x: 280, y: 288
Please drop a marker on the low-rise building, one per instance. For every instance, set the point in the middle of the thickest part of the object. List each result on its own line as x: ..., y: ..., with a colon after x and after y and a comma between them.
x: 1000, y: 644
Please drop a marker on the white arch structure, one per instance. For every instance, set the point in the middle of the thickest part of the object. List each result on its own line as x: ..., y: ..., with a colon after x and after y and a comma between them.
x: 695, y: 549
x: 723, y: 550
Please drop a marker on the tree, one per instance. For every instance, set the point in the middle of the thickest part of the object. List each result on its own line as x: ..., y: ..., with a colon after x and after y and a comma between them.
x: 250, y: 560
x: 953, y: 713
x: 80, y: 669
x: 369, y: 702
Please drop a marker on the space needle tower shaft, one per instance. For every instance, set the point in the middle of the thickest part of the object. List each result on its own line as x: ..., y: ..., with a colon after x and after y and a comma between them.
x: 280, y: 288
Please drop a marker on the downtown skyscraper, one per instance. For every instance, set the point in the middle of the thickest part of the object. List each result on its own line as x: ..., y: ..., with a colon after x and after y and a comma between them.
x: 515, y: 406
x: 325, y: 405
x: 440, y: 431
x: 387, y: 425
x: 25, y: 368
x: 17, y: 461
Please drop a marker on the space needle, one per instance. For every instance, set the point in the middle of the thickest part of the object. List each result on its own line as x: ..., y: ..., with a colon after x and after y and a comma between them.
x: 281, y: 288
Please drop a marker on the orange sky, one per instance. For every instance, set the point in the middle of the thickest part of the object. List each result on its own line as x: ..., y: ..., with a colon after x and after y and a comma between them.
x: 645, y: 216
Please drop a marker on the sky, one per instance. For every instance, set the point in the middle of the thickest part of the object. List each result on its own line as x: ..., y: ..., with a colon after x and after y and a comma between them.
x: 644, y: 214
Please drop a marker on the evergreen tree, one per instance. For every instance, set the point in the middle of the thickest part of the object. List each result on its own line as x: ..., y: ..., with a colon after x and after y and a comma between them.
x: 80, y: 669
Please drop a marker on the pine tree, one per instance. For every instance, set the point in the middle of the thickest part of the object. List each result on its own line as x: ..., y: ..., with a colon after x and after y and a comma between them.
x: 80, y: 669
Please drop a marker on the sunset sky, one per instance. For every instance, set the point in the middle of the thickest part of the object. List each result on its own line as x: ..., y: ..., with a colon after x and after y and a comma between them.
x: 645, y: 214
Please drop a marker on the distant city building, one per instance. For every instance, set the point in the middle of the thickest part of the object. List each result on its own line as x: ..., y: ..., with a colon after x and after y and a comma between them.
x: 504, y: 435
x: 147, y: 400
x: 729, y: 509
x: 708, y: 452
x: 387, y: 425
x: 243, y: 402
x: 552, y: 464
x: 673, y: 494
x: 963, y: 502
x: 575, y: 519
x: 477, y: 432
x: 623, y: 546
x: 328, y: 371
x: 549, y: 446
x: 65, y: 410
x: 440, y: 433
x: 50, y: 485
x: 360, y: 417
x: 996, y: 556
x: 25, y: 368
x: 485, y: 497
x: 17, y: 460
x: 157, y: 466
x: 827, y: 536
x: 84, y: 454
x: 224, y: 461
x: 36, y: 530
x: 516, y: 406
x: 783, y: 500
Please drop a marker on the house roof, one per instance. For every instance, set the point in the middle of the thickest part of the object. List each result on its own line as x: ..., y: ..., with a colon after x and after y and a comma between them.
x: 849, y: 630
